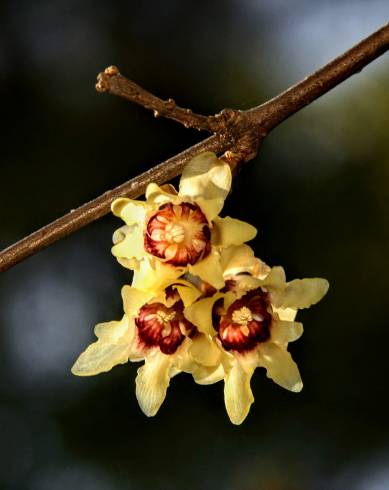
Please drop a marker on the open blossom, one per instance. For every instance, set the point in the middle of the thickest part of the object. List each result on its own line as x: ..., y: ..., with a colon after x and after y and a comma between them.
x: 249, y: 324
x: 172, y: 233
x: 200, y: 301
x: 152, y: 329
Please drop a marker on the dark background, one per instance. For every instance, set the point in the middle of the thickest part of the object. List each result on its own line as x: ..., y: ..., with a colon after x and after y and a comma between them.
x: 318, y: 192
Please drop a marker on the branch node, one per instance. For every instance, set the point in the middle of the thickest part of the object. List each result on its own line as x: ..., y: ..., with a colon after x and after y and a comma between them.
x: 245, y: 148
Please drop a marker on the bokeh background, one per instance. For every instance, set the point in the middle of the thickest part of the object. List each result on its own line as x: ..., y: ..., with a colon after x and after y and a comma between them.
x: 318, y: 192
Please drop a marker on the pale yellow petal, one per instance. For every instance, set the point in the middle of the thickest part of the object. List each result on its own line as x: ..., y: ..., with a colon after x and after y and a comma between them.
x: 229, y: 298
x: 229, y: 231
x: 206, y: 177
x: 200, y: 313
x: 208, y: 375
x: 280, y: 366
x: 134, y: 299
x: 132, y: 264
x: 153, y: 276
x: 156, y: 195
x: 209, y: 270
x: 188, y: 293
x: 100, y: 357
x: 302, y: 293
x: 114, y: 331
x: 152, y: 382
x: 210, y: 207
x: 276, y: 279
x: 288, y: 314
x: 112, y: 348
x: 240, y: 259
x: 283, y: 331
x: 204, y: 350
x: 132, y: 246
x: 238, y: 396
x: 129, y: 210
x: 120, y: 234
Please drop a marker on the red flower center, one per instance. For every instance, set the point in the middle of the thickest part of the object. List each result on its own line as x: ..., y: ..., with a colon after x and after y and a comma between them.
x: 166, y: 328
x: 178, y: 234
x: 246, y: 323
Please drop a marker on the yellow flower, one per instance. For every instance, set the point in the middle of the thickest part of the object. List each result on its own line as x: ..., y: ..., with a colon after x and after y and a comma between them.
x: 172, y: 233
x: 152, y: 329
x: 251, y: 321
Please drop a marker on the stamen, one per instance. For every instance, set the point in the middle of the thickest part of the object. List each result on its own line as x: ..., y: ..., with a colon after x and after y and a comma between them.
x: 242, y: 316
x: 174, y: 233
x: 164, y: 317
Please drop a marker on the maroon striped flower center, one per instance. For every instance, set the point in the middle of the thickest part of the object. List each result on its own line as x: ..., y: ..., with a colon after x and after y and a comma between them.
x: 179, y: 234
x: 246, y: 323
x: 166, y: 328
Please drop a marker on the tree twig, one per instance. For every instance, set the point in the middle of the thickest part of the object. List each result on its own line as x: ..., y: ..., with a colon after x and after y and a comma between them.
x: 112, y: 82
x: 237, y: 133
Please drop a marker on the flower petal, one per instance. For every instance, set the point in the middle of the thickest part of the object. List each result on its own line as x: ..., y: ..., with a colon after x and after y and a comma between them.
x: 100, y: 357
x: 134, y: 299
x: 152, y: 382
x: 206, y: 375
x: 275, y: 280
x: 210, y: 207
x: 153, y: 277
x: 112, y: 348
x: 130, y: 211
x: 209, y: 270
x: 283, y: 332
x: 238, y: 259
x: 302, y: 293
x: 280, y: 366
x: 238, y: 396
x: 113, y: 331
x: 156, y: 195
x: 206, y: 177
x: 288, y: 314
x: 204, y: 350
x: 120, y: 234
x: 200, y: 313
x: 229, y: 231
x: 132, y: 246
x: 188, y: 293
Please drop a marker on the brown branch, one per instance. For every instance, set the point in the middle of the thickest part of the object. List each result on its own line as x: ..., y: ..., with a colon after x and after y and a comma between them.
x: 112, y: 82
x: 237, y: 133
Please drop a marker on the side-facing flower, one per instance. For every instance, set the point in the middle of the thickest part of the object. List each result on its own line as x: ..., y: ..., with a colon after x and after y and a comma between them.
x: 153, y: 329
x: 251, y: 321
x: 172, y: 233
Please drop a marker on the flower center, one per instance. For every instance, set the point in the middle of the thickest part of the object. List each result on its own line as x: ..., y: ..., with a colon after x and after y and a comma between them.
x: 164, y: 317
x: 179, y: 234
x: 242, y: 316
x: 166, y: 328
x: 174, y: 233
x: 246, y: 323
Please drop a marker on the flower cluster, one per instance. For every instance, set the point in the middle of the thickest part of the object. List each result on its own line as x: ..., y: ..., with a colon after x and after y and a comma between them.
x: 200, y: 301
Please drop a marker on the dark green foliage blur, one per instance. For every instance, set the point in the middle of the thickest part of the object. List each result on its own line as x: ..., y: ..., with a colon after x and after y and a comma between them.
x: 318, y: 192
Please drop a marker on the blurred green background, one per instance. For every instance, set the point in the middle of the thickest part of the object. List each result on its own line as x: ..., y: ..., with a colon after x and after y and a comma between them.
x: 318, y: 192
